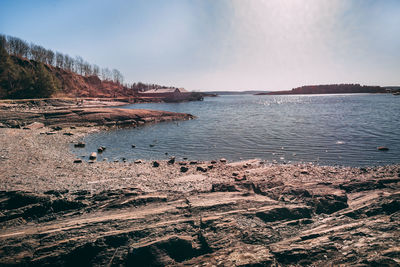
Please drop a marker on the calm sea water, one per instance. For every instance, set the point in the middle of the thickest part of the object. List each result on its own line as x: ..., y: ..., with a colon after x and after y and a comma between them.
x: 323, y: 129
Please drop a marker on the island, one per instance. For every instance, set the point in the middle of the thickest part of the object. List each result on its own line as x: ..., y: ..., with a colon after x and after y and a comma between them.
x: 330, y: 89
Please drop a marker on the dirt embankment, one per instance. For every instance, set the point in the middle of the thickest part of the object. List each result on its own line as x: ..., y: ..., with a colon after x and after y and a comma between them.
x: 183, y: 213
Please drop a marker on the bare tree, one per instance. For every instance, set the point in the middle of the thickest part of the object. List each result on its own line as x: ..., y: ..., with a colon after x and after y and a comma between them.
x: 68, y: 63
x: 79, y: 65
x: 96, y: 70
x: 106, y: 74
x: 59, y: 60
x: 117, y: 76
x: 49, y: 57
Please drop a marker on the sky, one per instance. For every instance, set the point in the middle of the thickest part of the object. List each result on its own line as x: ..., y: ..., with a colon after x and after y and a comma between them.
x: 206, y: 45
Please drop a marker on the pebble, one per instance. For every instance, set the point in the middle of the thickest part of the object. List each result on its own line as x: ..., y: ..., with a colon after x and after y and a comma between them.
x: 93, y: 156
x: 78, y: 161
x: 80, y: 144
x: 201, y: 168
x: 156, y: 164
x: 171, y: 160
x: 184, y: 169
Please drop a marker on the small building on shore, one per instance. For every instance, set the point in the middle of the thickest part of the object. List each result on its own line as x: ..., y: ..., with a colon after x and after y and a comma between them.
x: 167, y: 94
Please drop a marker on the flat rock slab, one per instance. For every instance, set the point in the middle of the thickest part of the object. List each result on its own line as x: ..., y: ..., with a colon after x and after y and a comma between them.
x: 89, y: 116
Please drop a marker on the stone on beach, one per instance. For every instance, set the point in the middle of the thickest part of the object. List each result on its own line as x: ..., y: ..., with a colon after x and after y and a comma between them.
x: 93, y: 156
x: 202, y: 168
x: 101, y: 149
x: 155, y: 164
x: 223, y: 160
x: 184, y: 169
x: 78, y: 161
x: 171, y: 160
x: 80, y: 144
x: 57, y: 128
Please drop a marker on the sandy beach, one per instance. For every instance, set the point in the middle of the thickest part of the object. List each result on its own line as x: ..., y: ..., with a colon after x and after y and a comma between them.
x: 188, y: 213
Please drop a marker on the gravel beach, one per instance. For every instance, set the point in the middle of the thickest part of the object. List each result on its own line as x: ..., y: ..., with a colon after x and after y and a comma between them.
x: 57, y: 212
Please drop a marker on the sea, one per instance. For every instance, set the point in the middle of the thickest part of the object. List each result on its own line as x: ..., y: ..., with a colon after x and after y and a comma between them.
x: 334, y: 130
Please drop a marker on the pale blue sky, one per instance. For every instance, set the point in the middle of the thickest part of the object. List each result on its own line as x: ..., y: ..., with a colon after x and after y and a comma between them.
x: 220, y: 44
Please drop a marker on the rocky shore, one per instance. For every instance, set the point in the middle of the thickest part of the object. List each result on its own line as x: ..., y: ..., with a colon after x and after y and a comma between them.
x: 67, y: 113
x: 177, y: 212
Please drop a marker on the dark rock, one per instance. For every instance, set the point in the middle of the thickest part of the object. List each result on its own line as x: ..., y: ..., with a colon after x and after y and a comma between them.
x: 156, y: 164
x: 382, y: 148
x: 68, y: 134
x: 93, y: 156
x: 213, y: 162
x: 284, y: 213
x: 51, y: 133
x: 311, y: 236
x: 77, y: 161
x: 101, y: 149
x: 223, y: 187
x: 171, y: 160
x: 202, y: 168
x: 17, y: 199
x: 358, y: 186
x: 162, y: 252
x: 13, y: 123
x: 137, y: 161
x: 133, y: 146
x: 223, y: 160
x: 184, y: 169
x: 80, y: 145
x: 65, y: 204
x: 57, y: 128
x: 194, y: 162
x: 329, y: 203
